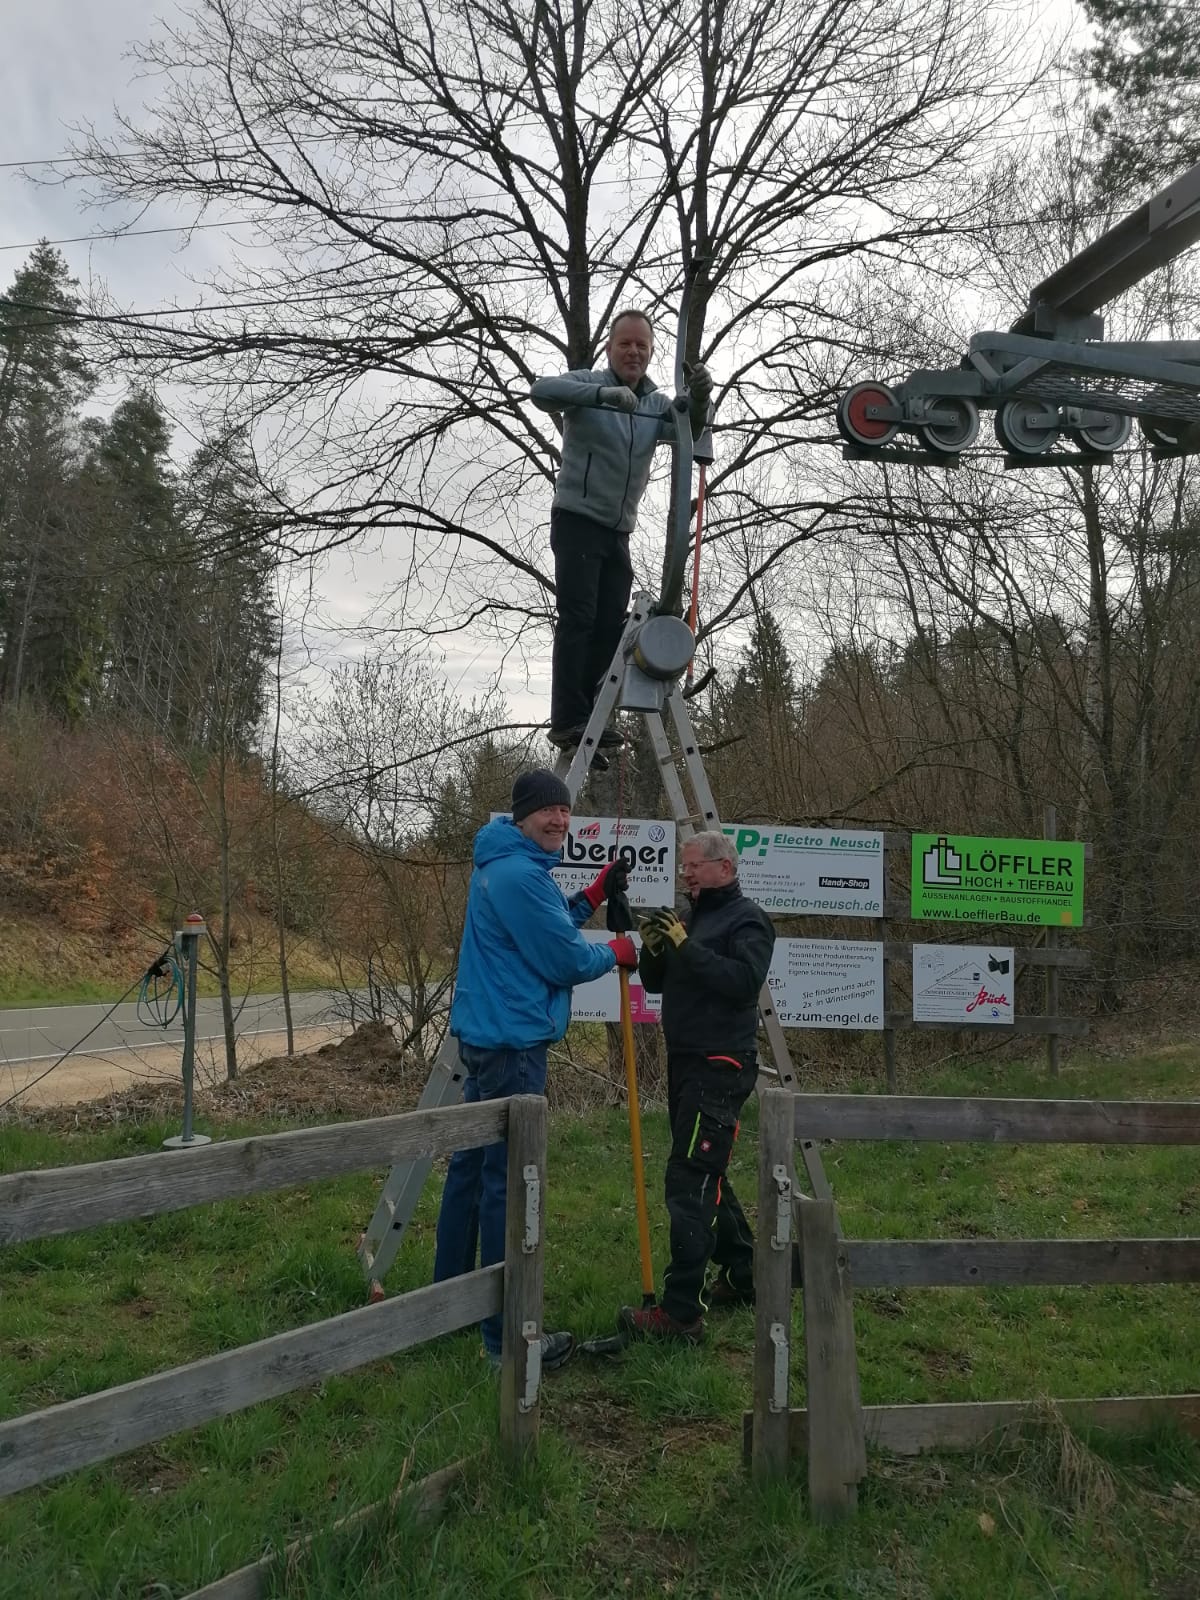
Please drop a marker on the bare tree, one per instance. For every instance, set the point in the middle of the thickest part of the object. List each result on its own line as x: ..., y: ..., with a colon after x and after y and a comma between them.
x: 459, y: 195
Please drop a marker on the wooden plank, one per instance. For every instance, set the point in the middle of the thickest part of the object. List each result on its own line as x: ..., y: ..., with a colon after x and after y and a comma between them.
x: 35, y: 1205
x: 913, y: 1263
x: 953, y: 1118
x: 423, y: 1501
x: 837, y: 1454
x: 524, y: 1270
x: 1026, y: 955
x: 78, y: 1433
x: 773, y: 1285
x: 909, y: 1430
x: 1066, y: 1027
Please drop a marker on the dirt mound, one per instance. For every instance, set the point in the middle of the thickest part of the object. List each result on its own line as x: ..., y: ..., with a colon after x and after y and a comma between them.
x: 363, y: 1075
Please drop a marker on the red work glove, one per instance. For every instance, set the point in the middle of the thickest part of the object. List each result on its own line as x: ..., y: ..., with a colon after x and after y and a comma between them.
x: 625, y: 951
x: 614, y: 877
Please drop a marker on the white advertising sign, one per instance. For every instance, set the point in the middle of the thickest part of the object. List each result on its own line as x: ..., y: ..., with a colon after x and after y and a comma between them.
x: 963, y: 983
x: 827, y: 983
x: 600, y: 1000
x: 815, y: 871
x: 646, y: 845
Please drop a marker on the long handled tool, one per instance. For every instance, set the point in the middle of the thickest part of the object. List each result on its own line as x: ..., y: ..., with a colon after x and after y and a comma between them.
x: 619, y: 918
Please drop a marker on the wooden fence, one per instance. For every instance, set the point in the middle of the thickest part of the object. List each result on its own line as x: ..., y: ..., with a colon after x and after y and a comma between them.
x: 836, y: 1427
x: 56, y: 1200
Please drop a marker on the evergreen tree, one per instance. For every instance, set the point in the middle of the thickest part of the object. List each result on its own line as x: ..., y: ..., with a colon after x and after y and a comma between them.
x: 46, y: 603
x: 1147, y: 59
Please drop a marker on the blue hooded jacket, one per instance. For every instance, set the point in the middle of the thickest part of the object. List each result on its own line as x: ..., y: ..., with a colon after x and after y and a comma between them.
x: 522, y: 951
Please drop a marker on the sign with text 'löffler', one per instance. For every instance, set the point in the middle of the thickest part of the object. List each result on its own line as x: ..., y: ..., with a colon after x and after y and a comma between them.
x: 960, y: 878
x: 834, y: 872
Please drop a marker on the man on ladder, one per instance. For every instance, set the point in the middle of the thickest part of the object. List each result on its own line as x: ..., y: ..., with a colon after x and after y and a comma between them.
x: 612, y: 419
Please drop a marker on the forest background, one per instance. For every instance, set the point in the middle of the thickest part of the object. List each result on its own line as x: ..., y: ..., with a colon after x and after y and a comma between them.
x: 445, y: 201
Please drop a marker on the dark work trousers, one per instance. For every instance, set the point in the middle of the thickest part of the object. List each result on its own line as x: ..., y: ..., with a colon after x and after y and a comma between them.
x: 705, y: 1095
x: 592, y: 577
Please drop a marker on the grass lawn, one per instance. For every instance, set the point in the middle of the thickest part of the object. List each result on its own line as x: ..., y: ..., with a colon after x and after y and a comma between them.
x: 638, y: 1489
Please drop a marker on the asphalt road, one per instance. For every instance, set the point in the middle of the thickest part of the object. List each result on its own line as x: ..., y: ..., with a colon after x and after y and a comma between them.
x: 43, y: 1032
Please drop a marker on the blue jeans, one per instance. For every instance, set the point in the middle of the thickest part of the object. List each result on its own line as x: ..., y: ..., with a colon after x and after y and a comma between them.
x: 475, y: 1198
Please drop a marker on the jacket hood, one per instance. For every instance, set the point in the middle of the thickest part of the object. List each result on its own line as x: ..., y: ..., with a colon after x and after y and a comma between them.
x: 502, y: 837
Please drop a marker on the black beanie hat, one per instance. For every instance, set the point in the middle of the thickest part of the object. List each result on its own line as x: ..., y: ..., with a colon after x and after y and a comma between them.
x: 536, y: 789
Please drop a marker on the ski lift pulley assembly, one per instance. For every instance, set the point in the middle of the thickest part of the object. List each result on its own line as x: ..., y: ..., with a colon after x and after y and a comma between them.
x: 1053, y: 376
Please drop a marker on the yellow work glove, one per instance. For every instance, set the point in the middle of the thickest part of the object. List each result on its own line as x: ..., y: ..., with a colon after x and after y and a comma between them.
x: 652, y: 935
x: 667, y: 925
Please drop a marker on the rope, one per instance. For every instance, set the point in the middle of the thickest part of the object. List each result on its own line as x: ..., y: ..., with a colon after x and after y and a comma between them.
x: 160, y: 999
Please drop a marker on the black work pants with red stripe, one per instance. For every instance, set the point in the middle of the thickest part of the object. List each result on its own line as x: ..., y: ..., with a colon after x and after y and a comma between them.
x: 705, y: 1095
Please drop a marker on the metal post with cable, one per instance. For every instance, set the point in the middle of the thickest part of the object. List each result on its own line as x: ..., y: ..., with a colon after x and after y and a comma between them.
x: 189, y: 940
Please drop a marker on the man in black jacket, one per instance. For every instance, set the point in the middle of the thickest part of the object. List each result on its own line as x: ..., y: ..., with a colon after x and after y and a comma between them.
x: 709, y: 967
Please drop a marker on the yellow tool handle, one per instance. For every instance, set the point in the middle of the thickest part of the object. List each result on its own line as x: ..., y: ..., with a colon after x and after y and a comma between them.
x: 635, y: 1138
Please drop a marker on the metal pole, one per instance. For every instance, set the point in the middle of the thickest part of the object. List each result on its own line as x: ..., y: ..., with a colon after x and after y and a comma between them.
x: 190, y: 940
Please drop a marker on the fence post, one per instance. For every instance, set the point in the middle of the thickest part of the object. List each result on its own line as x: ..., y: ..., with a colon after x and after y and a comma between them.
x: 773, y: 1284
x: 836, y: 1446
x: 524, y: 1269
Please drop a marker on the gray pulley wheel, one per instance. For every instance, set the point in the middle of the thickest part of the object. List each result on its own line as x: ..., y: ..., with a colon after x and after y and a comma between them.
x: 1027, y: 427
x: 663, y: 647
x: 1108, y: 434
x: 948, y: 438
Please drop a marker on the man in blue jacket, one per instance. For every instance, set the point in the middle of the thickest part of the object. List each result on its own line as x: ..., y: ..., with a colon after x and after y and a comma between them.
x: 522, y: 953
x: 612, y: 419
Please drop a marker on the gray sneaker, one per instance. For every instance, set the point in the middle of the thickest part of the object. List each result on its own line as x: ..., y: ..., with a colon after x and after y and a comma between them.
x: 557, y: 1350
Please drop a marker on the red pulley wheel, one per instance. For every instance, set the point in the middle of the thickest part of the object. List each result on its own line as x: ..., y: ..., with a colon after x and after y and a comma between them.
x: 854, y: 423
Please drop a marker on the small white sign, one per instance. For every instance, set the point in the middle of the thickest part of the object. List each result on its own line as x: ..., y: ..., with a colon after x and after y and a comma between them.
x: 827, y: 983
x: 814, y: 871
x: 964, y: 983
x: 645, y: 844
x: 600, y: 1000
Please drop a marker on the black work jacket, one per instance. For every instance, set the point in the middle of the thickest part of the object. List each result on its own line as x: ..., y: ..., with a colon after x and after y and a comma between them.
x: 710, y: 985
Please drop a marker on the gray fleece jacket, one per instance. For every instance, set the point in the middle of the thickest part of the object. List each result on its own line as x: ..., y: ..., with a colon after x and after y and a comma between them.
x: 606, y: 454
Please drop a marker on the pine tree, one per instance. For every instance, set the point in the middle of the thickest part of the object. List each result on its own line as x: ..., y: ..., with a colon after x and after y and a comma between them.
x: 1147, y: 60
x: 45, y: 600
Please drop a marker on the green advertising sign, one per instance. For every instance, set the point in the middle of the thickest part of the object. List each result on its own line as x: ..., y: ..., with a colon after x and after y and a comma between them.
x: 957, y: 878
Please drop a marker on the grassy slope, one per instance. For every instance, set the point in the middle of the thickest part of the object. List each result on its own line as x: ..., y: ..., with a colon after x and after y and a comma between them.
x: 40, y: 964
x: 639, y: 1488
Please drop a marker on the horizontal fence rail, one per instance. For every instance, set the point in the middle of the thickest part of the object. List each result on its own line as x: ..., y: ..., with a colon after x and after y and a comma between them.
x: 968, y: 1263
x: 79, y: 1433
x: 984, y: 1121
x: 55, y: 1200
x: 907, y: 1430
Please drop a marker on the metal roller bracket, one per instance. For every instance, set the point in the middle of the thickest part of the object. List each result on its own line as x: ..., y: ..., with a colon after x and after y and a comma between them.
x: 533, y: 1366
x: 779, y: 1375
x: 533, y: 1209
x: 781, y: 1239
